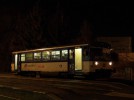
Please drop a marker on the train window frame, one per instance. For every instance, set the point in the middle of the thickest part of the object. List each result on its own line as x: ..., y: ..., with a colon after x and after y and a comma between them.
x: 47, y: 57
x: 71, y: 53
x: 38, y: 56
x: 64, y: 54
x: 86, y: 53
x: 26, y: 58
x: 23, y: 57
x: 54, y: 55
x: 95, y: 53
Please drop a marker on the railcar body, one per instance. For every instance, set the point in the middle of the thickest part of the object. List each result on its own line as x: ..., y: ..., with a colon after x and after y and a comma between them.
x: 65, y: 60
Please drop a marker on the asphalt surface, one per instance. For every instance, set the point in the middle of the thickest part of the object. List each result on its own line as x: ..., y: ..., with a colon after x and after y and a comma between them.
x: 118, y: 80
x: 15, y: 93
x: 63, y: 89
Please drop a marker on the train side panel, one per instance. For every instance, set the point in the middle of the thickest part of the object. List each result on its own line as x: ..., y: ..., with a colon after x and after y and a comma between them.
x: 86, y: 66
x: 45, y: 67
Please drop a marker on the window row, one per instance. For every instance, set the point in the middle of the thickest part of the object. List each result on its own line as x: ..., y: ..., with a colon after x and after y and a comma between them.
x: 45, y: 55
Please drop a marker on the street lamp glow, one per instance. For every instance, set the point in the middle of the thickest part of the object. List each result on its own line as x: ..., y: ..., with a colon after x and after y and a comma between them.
x: 110, y: 63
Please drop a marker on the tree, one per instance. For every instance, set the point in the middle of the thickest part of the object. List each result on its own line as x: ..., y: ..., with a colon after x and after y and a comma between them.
x: 56, y: 23
x: 24, y: 32
x: 85, y: 35
x: 28, y: 28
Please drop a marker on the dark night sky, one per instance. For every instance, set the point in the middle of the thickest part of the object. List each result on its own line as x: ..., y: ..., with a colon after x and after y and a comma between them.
x: 18, y: 30
x: 105, y: 17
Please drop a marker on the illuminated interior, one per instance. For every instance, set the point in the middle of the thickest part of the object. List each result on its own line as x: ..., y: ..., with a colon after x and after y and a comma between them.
x: 16, y: 60
x: 78, y: 59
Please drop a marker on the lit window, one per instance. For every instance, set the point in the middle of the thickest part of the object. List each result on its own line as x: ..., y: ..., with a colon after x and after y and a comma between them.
x: 55, y: 55
x: 22, y: 57
x: 71, y: 54
x: 29, y: 56
x: 46, y: 55
x: 37, y: 55
x: 64, y: 54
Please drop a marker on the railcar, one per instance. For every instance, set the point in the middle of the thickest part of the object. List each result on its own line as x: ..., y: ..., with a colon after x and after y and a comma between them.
x: 73, y: 60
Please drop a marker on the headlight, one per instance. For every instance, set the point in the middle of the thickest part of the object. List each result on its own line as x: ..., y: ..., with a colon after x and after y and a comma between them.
x: 96, y: 63
x: 110, y: 63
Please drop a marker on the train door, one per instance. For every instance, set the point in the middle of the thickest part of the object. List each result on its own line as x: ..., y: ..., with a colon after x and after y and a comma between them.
x: 78, y: 59
x: 71, y: 62
x: 17, y: 63
x: 75, y: 60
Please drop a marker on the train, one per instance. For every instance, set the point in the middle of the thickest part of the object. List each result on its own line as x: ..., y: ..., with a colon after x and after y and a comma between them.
x: 69, y: 61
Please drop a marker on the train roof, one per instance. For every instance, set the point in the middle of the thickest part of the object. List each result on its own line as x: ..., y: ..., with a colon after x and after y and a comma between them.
x: 51, y: 48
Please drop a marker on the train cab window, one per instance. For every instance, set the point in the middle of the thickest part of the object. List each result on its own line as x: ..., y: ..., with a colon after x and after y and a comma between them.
x: 64, y: 54
x: 96, y: 54
x: 37, y: 56
x: 22, y: 57
x: 29, y: 56
x: 55, y: 55
x: 85, y: 54
x: 46, y: 55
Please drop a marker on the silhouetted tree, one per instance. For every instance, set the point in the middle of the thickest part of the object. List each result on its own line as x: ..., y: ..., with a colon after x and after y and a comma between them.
x: 30, y: 28
x: 56, y: 25
x: 85, y: 35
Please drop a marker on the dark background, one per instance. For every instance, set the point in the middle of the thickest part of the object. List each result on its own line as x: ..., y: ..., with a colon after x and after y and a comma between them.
x: 29, y: 24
